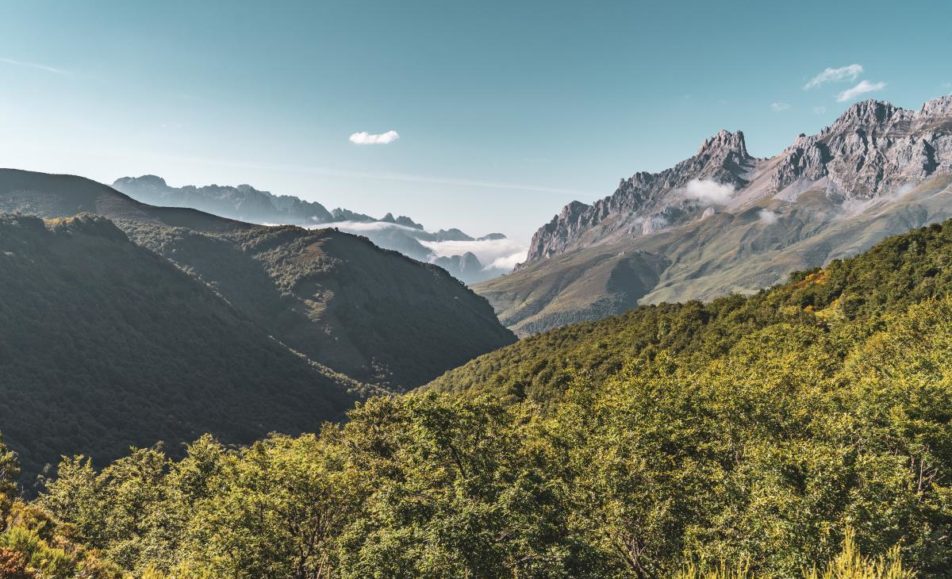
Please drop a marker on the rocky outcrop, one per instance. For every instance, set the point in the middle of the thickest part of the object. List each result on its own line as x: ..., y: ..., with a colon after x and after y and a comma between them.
x: 872, y: 149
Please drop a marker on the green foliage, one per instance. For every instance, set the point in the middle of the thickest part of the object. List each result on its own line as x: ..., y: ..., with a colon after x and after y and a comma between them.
x: 763, y: 459
x: 847, y: 297
x: 9, y: 473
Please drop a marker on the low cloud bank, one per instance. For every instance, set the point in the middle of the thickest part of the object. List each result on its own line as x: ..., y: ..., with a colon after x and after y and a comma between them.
x: 501, y: 254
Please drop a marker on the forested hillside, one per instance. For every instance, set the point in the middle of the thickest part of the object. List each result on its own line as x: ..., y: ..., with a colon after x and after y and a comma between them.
x: 805, y: 431
x: 848, y: 297
x: 106, y: 345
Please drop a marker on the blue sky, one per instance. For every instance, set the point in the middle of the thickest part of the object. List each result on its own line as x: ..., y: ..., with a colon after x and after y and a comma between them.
x: 505, y: 110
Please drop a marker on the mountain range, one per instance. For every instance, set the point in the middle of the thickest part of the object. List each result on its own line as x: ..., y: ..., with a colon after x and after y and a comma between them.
x: 724, y: 221
x: 401, y: 233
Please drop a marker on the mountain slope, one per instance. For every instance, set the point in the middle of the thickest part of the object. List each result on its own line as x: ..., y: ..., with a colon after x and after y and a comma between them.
x: 104, y: 345
x: 724, y: 221
x: 372, y: 314
x: 852, y: 293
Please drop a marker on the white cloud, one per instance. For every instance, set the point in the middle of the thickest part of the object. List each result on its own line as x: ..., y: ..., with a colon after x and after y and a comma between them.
x: 709, y: 191
x: 501, y: 254
x: 508, y: 263
x: 841, y: 74
x: 365, y: 138
x: 863, y: 87
x: 819, y: 110
x: 34, y: 65
x: 779, y: 107
x: 768, y: 217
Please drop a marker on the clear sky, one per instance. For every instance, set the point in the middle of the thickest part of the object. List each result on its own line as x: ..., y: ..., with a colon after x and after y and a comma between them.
x: 505, y: 110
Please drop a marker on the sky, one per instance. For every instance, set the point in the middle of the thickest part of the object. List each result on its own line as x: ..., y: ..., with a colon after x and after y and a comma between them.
x: 484, y: 115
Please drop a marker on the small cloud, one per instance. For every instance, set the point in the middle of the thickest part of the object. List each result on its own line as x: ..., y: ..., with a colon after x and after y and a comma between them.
x: 862, y: 88
x: 768, y: 217
x: 509, y: 262
x: 819, y: 110
x: 33, y: 65
x: 779, y: 107
x: 364, y: 138
x: 709, y: 191
x: 844, y: 73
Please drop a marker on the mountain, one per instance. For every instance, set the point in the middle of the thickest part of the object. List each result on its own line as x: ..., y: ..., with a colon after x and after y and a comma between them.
x: 245, y: 203
x: 800, y: 432
x: 104, y: 344
x: 723, y: 221
x: 464, y: 267
x: 371, y: 314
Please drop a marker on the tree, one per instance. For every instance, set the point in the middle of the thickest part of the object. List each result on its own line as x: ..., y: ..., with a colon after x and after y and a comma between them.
x: 9, y: 475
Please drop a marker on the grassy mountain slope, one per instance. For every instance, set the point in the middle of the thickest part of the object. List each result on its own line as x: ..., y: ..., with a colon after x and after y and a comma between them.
x: 899, y: 271
x: 104, y: 345
x: 369, y: 313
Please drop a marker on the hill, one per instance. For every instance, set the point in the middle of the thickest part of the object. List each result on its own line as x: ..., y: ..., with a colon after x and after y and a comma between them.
x: 372, y: 314
x: 723, y: 221
x: 805, y: 431
x: 104, y: 344
x: 851, y: 293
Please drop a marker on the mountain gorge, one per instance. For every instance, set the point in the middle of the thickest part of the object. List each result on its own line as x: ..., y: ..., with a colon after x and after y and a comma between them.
x: 401, y: 233
x: 723, y: 221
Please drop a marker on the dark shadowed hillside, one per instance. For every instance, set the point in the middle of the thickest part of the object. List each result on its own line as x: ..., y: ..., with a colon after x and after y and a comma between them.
x: 372, y: 314
x: 104, y: 344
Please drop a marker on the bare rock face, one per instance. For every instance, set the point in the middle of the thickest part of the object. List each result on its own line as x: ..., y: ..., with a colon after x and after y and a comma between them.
x: 647, y: 202
x: 874, y: 148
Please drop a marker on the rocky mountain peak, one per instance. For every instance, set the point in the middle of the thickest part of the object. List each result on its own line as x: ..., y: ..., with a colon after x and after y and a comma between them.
x: 724, y: 143
x: 868, y: 113
x: 939, y: 107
